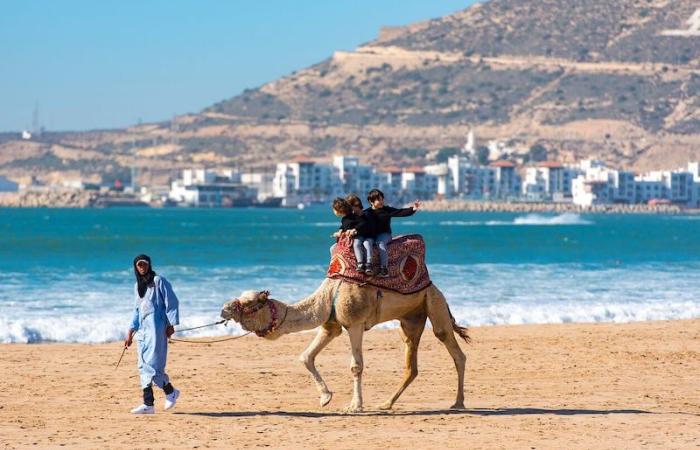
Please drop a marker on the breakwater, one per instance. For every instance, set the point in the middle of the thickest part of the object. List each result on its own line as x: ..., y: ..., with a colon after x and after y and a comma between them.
x: 531, y: 207
x: 68, y: 198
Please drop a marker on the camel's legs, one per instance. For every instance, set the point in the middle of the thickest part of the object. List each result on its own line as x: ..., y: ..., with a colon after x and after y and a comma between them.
x: 326, y: 333
x: 356, y: 365
x: 411, y: 332
x: 442, y: 327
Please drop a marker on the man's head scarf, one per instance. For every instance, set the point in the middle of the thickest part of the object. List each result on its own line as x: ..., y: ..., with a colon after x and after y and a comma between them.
x: 147, y: 278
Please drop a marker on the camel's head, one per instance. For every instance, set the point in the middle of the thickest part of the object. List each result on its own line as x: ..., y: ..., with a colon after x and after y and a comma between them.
x: 254, y: 311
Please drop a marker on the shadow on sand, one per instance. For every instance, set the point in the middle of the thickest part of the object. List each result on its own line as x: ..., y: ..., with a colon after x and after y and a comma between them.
x: 432, y: 412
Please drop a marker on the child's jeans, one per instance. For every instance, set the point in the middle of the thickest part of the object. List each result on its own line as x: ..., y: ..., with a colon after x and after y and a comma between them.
x: 362, y: 246
x: 382, y: 240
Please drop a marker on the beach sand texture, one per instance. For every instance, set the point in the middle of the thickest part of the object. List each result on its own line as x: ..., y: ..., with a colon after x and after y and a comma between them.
x: 534, y: 386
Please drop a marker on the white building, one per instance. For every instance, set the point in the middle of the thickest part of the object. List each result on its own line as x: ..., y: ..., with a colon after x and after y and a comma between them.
x: 305, y: 181
x: 600, y: 185
x: 467, y: 180
x: 441, y: 172
x: 549, y: 180
x: 210, y: 188
x: 595, y: 185
x: 389, y: 180
x: 678, y: 187
x: 355, y: 177
x: 261, y: 181
x: 498, y: 149
x: 506, y: 181
x: 416, y: 184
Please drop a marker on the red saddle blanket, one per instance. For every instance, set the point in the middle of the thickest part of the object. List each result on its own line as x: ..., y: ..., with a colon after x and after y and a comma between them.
x: 407, y: 270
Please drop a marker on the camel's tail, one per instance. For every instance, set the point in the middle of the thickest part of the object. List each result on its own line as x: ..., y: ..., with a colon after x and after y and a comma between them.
x: 461, y: 331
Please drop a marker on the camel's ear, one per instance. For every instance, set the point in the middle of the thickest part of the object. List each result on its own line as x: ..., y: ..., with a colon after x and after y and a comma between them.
x: 263, y: 296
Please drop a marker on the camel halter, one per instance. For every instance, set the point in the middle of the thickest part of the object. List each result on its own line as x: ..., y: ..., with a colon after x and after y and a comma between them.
x: 273, y: 325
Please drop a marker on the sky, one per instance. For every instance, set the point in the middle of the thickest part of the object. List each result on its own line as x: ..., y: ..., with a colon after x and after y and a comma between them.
x: 113, y: 63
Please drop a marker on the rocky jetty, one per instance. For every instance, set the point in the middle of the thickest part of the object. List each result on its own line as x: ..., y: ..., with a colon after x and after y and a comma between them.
x: 528, y: 207
x: 67, y: 199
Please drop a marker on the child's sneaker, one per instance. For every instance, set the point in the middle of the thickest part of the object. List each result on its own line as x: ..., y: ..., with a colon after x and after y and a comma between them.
x: 368, y: 270
x: 361, y: 267
x: 170, y: 399
x: 144, y: 409
x: 384, y: 272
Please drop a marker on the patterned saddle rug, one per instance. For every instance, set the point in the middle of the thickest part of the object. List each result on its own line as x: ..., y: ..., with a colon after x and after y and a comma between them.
x: 407, y: 270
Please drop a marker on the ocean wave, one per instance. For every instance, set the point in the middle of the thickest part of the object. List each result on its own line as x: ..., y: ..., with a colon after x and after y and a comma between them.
x: 461, y: 223
x: 102, y: 329
x: 45, y: 307
x: 529, y: 219
x: 539, y: 219
x: 519, y: 314
x: 92, y: 329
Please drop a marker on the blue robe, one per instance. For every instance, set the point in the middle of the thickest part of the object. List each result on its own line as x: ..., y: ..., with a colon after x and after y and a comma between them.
x: 153, y: 313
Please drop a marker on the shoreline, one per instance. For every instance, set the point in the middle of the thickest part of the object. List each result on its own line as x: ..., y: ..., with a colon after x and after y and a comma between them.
x: 570, y: 386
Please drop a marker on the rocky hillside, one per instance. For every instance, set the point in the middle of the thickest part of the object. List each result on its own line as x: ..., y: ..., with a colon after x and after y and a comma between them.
x: 617, y: 80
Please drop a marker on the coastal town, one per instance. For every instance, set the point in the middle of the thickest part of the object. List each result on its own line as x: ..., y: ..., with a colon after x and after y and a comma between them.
x: 486, y: 178
x: 464, y: 181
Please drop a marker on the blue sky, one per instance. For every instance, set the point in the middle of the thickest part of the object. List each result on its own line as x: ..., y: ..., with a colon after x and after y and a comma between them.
x: 109, y: 63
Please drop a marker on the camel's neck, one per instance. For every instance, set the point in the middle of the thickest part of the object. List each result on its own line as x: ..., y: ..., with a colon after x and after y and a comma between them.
x: 310, y: 312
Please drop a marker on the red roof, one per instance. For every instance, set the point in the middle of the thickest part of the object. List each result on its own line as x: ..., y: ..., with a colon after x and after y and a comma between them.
x: 550, y: 164
x: 303, y: 160
x: 414, y: 169
x: 502, y: 163
x: 391, y: 169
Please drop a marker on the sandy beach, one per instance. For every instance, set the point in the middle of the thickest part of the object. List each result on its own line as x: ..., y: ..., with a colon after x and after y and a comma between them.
x: 533, y: 386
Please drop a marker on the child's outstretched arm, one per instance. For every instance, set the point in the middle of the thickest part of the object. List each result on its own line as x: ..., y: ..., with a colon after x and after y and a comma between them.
x: 401, y: 212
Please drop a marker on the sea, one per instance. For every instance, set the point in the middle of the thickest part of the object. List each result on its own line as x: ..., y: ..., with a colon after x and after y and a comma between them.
x: 66, y: 274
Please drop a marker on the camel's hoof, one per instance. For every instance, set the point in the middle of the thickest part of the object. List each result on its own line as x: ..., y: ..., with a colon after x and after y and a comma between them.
x: 385, y: 406
x: 326, y: 398
x: 353, y: 409
x: 458, y: 406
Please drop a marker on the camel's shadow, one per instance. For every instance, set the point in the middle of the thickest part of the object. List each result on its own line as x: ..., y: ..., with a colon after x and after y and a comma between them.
x: 431, y: 412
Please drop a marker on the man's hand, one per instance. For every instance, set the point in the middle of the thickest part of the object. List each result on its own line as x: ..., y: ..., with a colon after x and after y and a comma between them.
x: 336, y: 234
x: 416, y: 205
x: 129, y: 339
x: 169, y: 330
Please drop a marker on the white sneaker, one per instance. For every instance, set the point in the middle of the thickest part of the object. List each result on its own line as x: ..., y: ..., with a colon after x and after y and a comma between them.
x: 170, y: 399
x: 143, y: 409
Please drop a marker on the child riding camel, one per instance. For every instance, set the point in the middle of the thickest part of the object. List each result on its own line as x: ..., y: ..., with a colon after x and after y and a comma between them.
x: 380, y: 215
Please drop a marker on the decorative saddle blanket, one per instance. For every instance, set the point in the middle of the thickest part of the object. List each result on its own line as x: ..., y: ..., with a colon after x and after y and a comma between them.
x: 407, y: 270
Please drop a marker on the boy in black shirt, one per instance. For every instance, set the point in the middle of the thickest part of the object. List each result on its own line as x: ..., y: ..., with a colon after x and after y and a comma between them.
x: 381, y: 216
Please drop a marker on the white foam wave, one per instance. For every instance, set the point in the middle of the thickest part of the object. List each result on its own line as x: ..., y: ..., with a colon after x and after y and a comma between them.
x: 461, y: 223
x: 561, y: 219
x: 50, y: 307
x: 539, y: 219
x: 518, y: 314
x: 85, y: 328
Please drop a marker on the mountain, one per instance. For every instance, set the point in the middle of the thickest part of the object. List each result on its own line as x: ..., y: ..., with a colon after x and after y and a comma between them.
x: 617, y: 80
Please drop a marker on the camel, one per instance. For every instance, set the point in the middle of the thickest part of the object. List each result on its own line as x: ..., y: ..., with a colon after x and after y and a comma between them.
x: 338, y: 304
